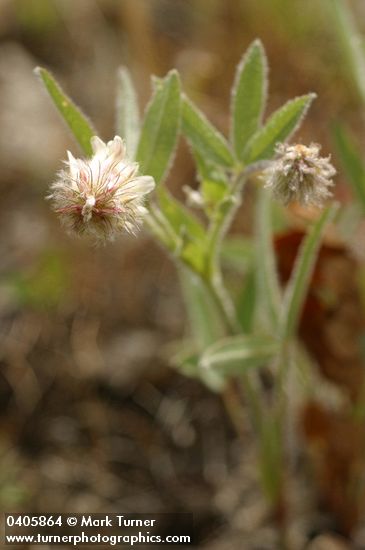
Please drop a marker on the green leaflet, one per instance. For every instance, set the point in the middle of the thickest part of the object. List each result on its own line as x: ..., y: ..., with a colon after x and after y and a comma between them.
x: 203, y: 137
x: 127, y: 112
x: 279, y: 128
x: 205, y: 323
x: 190, y: 233
x: 79, y: 125
x: 205, y: 327
x: 351, y: 41
x: 213, y: 183
x: 237, y: 253
x: 188, y: 364
x: 160, y: 128
x: 297, y: 287
x: 352, y: 162
x: 246, y: 303
x: 267, y: 284
x: 235, y: 354
x: 270, y: 455
x: 249, y: 96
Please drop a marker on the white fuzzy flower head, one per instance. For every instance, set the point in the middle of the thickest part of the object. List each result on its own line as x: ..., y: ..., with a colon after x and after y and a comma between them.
x: 300, y: 174
x: 103, y: 195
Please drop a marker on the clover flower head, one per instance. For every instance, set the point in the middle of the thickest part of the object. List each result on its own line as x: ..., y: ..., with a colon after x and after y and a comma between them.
x: 102, y: 195
x: 300, y: 174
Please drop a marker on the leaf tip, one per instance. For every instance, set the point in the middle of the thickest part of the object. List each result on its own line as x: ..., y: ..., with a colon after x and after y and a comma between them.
x: 39, y: 72
x: 173, y: 74
x: 308, y: 98
x: 257, y: 43
x: 258, y: 46
x: 122, y: 71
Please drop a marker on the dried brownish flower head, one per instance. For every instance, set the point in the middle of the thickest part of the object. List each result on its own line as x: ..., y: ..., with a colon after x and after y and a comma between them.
x: 103, y: 195
x: 300, y: 174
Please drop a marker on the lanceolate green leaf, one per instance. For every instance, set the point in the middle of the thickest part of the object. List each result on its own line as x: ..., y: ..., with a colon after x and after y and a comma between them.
x: 351, y: 41
x: 205, y: 327
x: 160, y: 128
x: 180, y: 217
x: 79, y: 125
x: 127, y: 116
x: 248, y: 97
x: 238, y: 253
x: 279, y: 128
x: 203, y: 137
x: 352, y: 162
x: 246, y: 303
x: 237, y: 353
x: 188, y: 365
x: 270, y: 455
x: 190, y: 233
x: 161, y: 229
x: 297, y: 287
x: 206, y: 324
x: 268, y: 288
x: 213, y: 183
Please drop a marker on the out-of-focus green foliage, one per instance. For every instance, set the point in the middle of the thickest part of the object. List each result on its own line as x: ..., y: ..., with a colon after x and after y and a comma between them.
x: 297, y: 287
x: 232, y: 355
x: 352, y: 162
x: 36, y: 15
x: 44, y: 285
x: 351, y: 41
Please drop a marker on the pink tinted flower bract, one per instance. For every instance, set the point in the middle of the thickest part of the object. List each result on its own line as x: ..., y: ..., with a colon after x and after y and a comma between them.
x: 103, y: 195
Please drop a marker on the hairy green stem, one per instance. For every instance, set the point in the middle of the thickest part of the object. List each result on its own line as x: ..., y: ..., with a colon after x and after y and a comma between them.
x: 267, y: 277
x: 222, y: 301
x: 213, y: 282
x: 218, y: 228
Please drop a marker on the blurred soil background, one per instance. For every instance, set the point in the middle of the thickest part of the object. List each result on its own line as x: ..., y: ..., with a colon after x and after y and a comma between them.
x: 92, y: 418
